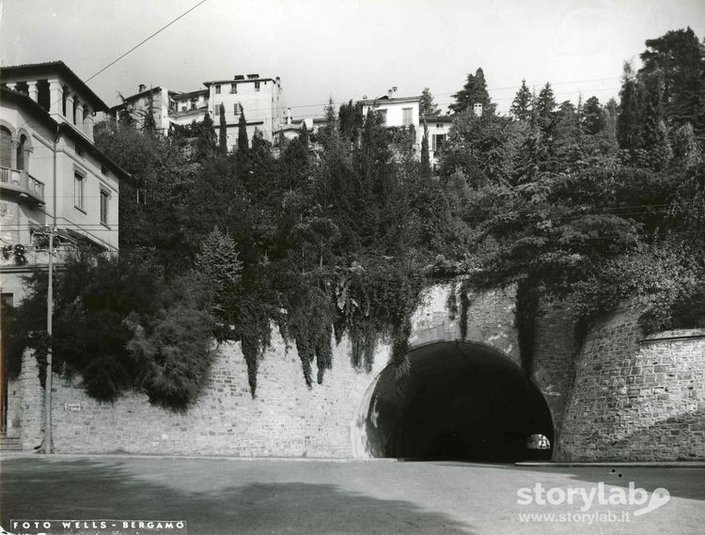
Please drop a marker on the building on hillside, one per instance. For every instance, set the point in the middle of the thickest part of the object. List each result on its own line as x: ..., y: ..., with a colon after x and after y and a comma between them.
x: 157, y: 100
x: 52, y: 174
x: 187, y: 108
x: 260, y: 99
x: 438, y: 127
x: 398, y: 113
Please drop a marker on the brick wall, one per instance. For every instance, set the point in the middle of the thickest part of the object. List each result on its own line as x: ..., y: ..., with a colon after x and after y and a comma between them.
x: 636, y: 398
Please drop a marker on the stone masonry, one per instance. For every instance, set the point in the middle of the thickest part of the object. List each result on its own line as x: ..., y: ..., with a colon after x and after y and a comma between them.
x: 636, y: 398
x: 624, y: 398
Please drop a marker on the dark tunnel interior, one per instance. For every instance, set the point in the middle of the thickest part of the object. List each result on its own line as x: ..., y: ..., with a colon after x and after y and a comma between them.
x: 458, y: 401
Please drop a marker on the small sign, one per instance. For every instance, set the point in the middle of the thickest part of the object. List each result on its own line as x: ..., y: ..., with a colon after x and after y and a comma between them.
x: 72, y: 406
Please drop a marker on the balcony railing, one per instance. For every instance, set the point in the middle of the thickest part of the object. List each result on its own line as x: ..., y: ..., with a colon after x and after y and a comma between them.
x: 21, y: 183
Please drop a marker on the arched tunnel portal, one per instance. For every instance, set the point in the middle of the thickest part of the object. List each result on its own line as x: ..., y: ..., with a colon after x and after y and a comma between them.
x: 457, y: 401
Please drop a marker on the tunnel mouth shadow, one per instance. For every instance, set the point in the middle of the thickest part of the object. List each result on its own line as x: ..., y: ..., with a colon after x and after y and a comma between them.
x: 458, y: 401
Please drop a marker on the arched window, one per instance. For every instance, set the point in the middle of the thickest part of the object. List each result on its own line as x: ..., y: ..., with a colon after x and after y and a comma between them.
x: 5, y: 147
x: 21, y: 148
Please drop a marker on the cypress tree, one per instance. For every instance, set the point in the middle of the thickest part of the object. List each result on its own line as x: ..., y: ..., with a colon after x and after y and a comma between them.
x: 223, y: 132
x: 654, y: 132
x: 628, y: 116
x: 425, y: 156
x: 243, y: 144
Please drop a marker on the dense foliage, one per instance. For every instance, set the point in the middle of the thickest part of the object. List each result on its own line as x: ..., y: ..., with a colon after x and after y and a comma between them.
x: 336, y: 232
x: 594, y: 205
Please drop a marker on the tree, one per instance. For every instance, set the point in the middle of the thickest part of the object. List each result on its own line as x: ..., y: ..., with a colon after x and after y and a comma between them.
x: 593, y: 117
x: 680, y: 58
x: 522, y: 103
x: 629, y: 118
x: 205, y: 142
x: 223, y: 132
x: 427, y: 106
x: 474, y: 92
x: 120, y: 325
x: 545, y: 105
x: 654, y: 133
x: 425, y: 157
x: 242, y: 142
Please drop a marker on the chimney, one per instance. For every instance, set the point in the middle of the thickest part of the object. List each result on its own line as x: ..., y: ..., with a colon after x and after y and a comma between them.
x: 142, y: 87
x: 477, y: 108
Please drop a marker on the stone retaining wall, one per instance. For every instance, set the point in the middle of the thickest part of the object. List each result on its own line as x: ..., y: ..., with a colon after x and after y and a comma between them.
x: 636, y: 398
x: 286, y: 418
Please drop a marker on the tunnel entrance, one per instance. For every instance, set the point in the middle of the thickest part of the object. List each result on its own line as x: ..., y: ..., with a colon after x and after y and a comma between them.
x: 458, y: 401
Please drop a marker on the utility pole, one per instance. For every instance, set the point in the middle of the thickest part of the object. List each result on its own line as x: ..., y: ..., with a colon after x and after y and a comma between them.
x: 50, y: 315
x: 50, y: 311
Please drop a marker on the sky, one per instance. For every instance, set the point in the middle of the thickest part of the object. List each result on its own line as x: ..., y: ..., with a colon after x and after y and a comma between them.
x: 345, y: 49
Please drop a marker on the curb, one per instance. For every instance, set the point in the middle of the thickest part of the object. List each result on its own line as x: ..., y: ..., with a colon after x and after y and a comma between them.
x: 628, y: 464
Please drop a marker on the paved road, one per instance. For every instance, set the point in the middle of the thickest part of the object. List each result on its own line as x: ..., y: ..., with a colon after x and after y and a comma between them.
x: 223, y: 496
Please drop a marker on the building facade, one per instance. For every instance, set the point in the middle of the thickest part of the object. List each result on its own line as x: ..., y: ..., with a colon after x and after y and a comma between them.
x: 52, y: 179
x: 52, y: 175
x: 260, y: 99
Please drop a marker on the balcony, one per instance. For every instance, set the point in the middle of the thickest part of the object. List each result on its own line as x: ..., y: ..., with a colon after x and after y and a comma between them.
x: 22, y: 185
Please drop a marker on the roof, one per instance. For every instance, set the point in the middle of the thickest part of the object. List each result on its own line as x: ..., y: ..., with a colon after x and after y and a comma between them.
x: 190, y: 94
x: 55, y: 67
x: 231, y: 81
x: 136, y: 96
x: 39, y: 113
x: 391, y: 100
x: 437, y: 118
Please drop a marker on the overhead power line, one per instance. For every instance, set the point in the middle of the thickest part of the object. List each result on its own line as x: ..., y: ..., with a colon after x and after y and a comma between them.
x: 160, y: 30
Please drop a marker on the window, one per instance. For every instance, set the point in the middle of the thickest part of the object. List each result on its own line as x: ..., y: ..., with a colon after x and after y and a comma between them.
x: 382, y: 114
x: 236, y: 108
x: 79, y: 180
x: 217, y: 89
x: 233, y: 88
x: 184, y: 107
x: 104, y: 202
x: 407, y: 116
x: 256, y: 86
x: 193, y: 104
x: 21, y: 147
x: 217, y: 109
x: 141, y: 196
x: 438, y: 141
x: 5, y: 147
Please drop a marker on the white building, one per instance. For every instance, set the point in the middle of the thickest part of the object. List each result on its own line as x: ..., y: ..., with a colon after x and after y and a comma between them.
x: 260, y: 99
x: 157, y: 100
x: 187, y: 108
x: 438, y: 127
x: 397, y: 112
x: 51, y: 172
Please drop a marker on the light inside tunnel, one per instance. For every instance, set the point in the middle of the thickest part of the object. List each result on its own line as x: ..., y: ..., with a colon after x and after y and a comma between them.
x: 458, y: 401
